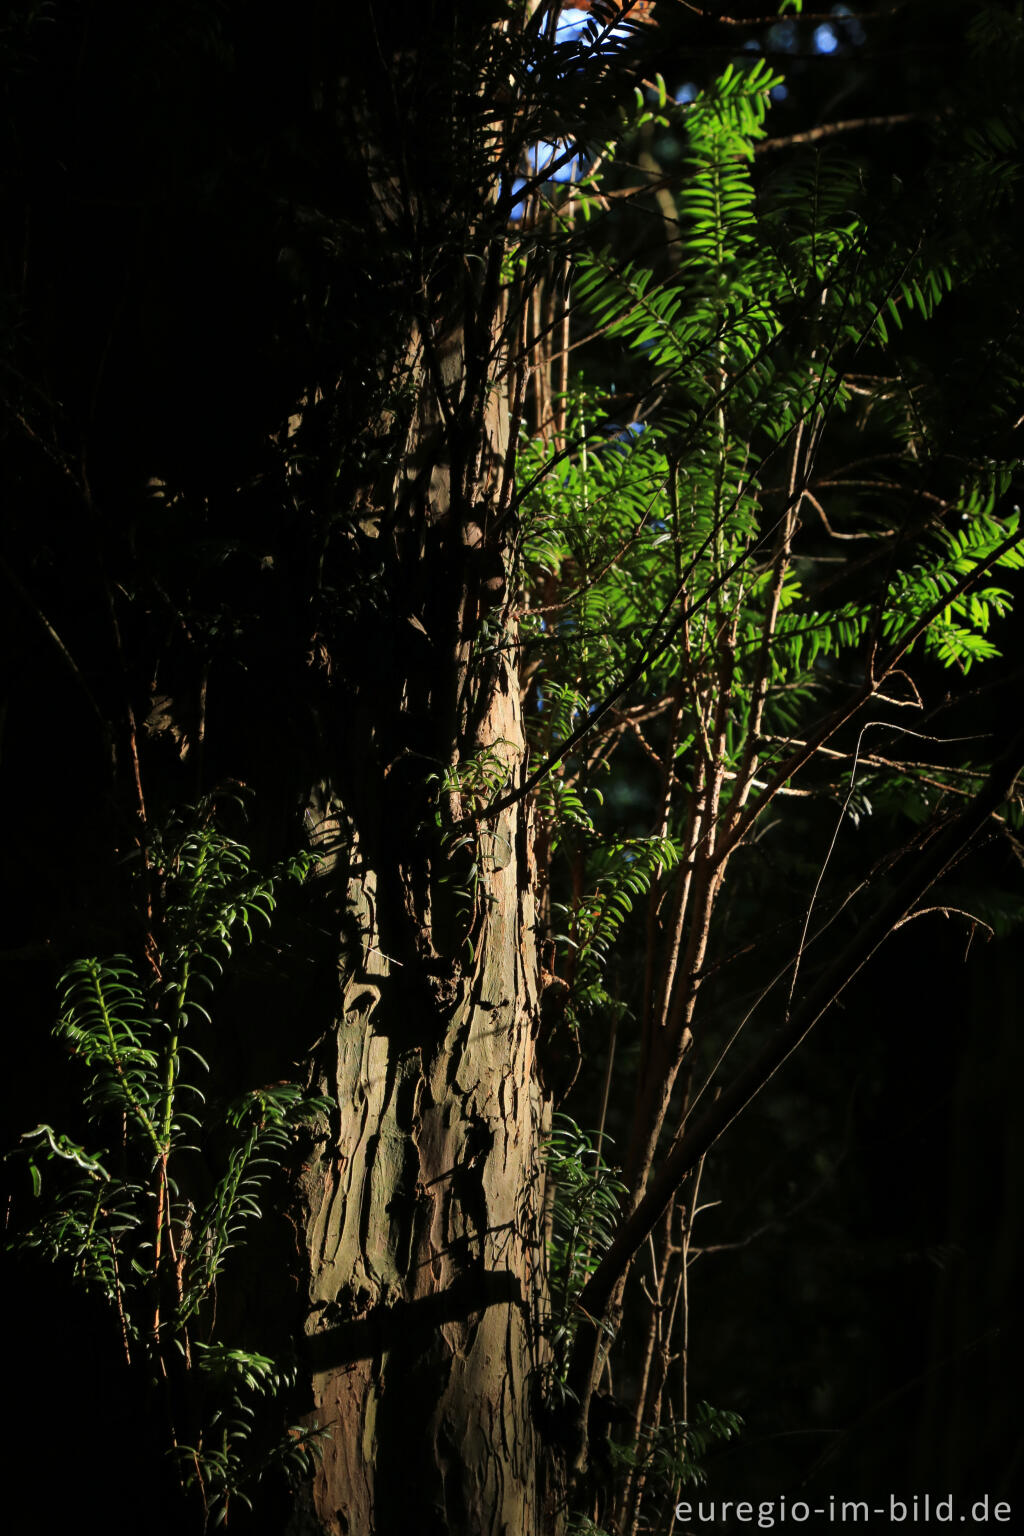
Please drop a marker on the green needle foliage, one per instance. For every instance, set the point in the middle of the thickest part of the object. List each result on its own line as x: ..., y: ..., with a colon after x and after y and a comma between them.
x: 683, y: 566
x: 787, y: 542
x: 585, y: 1196
x: 755, y: 523
x: 126, y: 1217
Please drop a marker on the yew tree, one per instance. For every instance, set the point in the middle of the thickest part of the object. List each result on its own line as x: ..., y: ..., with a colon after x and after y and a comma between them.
x: 474, y: 511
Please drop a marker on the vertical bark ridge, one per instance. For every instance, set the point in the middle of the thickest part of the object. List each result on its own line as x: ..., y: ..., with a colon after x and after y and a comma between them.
x: 421, y: 1212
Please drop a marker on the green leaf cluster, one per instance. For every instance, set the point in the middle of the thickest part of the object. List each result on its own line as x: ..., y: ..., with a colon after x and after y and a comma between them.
x: 131, y: 1216
x: 687, y: 554
x: 584, y: 1196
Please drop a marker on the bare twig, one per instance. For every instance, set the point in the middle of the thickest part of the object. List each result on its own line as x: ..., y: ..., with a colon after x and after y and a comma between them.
x: 848, y: 125
x: 945, y: 847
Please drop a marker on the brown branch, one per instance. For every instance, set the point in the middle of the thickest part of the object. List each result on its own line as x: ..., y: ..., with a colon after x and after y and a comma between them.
x: 69, y: 660
x: 594, y: 577
x: 947, y: 844
x: 847, y: 125
x: 768, y: 21
x: 878, y: 671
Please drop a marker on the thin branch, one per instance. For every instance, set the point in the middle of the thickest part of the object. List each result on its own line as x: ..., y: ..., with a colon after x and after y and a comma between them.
x: 848, y: 125
x: 69, y: 660
x: 945, y: 847
x: 769, y: 21
x: 878, y: 670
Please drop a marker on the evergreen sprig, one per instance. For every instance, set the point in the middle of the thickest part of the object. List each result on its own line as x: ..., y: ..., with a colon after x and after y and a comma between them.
x: 124, y: 1213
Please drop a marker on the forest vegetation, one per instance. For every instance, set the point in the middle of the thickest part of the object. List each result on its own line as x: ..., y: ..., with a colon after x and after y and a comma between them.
x: 511, y: 730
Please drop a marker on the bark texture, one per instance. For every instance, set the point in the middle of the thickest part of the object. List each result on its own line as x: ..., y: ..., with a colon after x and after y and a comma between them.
x: 419, y: 1219
x: 421, y: 1228
x: 266, y: 386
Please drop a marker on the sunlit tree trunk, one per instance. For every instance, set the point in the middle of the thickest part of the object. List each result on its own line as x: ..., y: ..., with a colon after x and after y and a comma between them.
x: 342, y: 612
x: 418, y: 1219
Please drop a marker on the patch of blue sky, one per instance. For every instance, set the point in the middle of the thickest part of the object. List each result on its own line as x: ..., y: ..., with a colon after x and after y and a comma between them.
x: 540, y: 156
x: 570, y: 24
x: 786, y: 36
x: 583, y: 30
x: 518, y: 206
x: 621, y: 439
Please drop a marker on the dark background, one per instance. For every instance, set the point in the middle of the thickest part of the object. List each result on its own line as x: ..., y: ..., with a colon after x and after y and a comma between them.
x: 158, y: 282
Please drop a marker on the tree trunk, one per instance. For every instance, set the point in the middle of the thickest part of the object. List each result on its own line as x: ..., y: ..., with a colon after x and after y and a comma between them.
x: 420, y: 1216
x: 419, y: 1219
x: 420, y: 1228
x: 343, y: 241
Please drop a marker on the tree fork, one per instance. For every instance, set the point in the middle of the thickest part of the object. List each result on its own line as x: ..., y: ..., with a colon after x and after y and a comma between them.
x: 946, y: 845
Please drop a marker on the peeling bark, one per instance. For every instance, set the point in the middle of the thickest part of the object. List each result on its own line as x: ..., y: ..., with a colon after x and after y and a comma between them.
x: 422, y: 1232
x: 421, y: 1213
